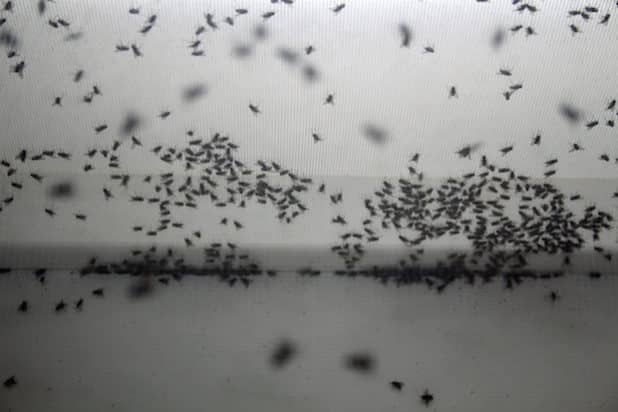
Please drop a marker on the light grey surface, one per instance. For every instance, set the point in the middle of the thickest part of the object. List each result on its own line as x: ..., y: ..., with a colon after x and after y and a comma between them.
x: 31, y: 239
x: 361, y: 62
x: 202, y: 346
x: 199, y: 345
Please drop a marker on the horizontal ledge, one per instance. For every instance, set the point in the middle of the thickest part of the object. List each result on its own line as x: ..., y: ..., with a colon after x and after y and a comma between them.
x: 278, y: 257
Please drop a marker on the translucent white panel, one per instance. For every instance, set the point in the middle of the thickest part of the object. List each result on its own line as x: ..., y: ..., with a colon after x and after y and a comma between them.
x: 437, y: 145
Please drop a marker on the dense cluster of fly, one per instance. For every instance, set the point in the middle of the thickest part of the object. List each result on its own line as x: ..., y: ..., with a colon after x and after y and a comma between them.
x: 223, y: 181
x: 225, y: 261
x: 418, y: 213
x: 471, y: 206
x: 506, y: 217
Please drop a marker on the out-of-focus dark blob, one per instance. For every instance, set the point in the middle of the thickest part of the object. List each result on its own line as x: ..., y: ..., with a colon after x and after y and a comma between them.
x: 311, y: 73
x: 360, y: 362
x: 283, y: 353
x: 375, y: 133
x: 498, y: 38
x: 140, y: 288
x: 287, y: 55
x: 62, y: 190
x: 406, y: 34
x: 397, y: 385
x: 74, y: 36
x: 41, y: 7
x: 242, y: 50
x: 10, y: 382
x: 8, y: 39
x: 260, y: 32
x: 130, y: 123
x: 571, y: 113
x: 78, y: 76
x: 594, y: 275
x: 194, y: 92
